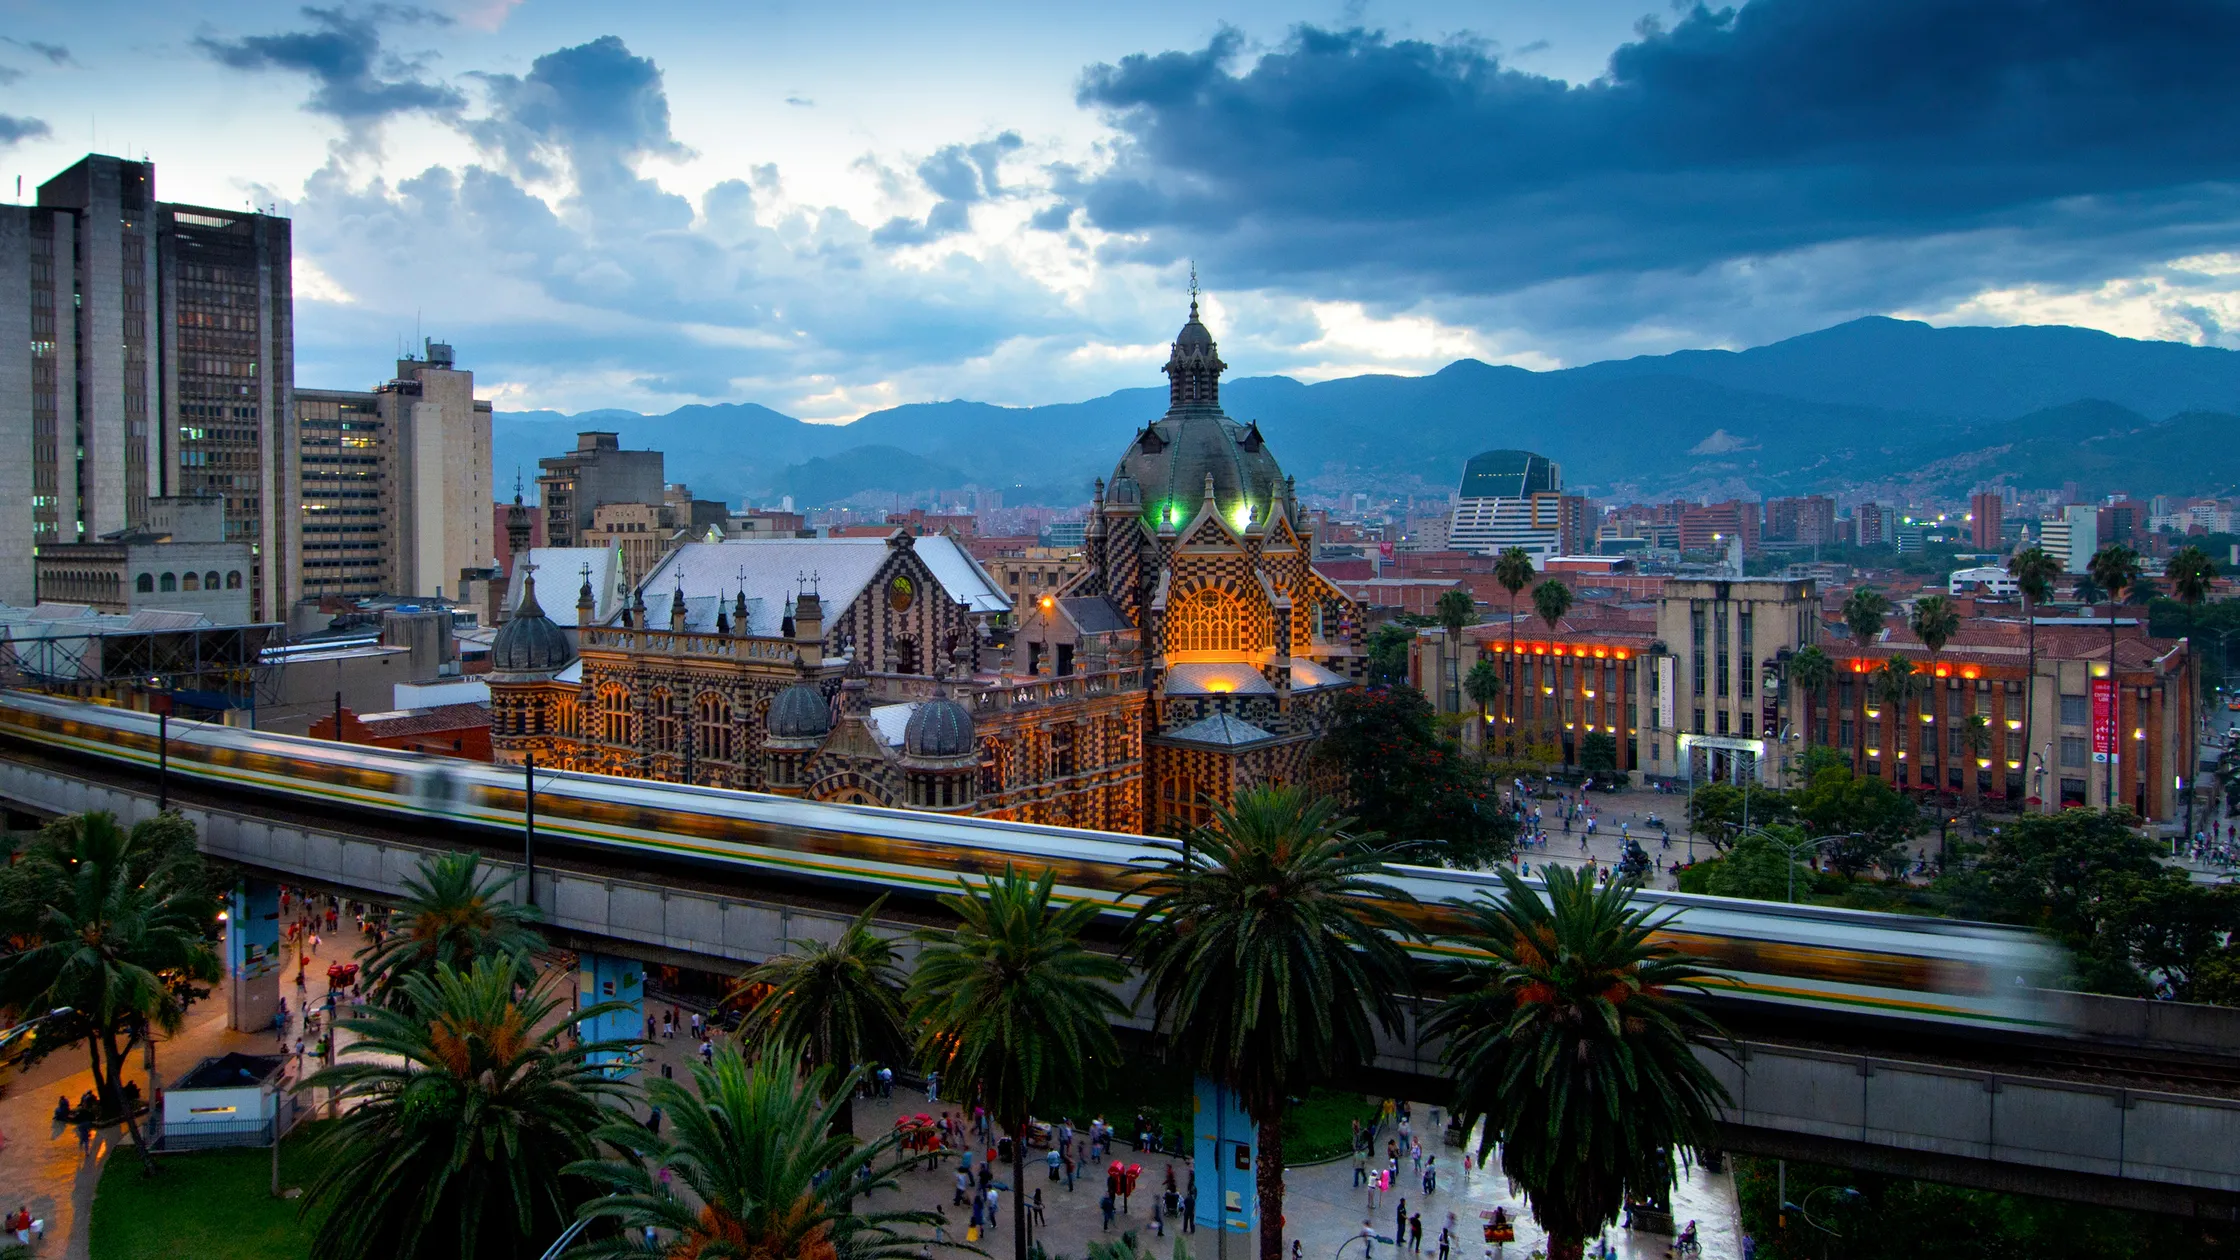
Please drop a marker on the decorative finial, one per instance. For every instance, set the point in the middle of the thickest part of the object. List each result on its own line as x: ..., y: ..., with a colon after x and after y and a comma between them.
x: 1193, y: 288
x: 517, y: 484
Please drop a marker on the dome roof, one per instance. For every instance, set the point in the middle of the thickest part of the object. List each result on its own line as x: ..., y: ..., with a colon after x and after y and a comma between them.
x: 800, y: 712
x: 1165, y: 468
x: 1168, y: 464
x: 940, y: 727
x: 530, y: 643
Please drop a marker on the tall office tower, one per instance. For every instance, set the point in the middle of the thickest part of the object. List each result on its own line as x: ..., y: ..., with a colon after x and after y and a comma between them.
x: 157, y: 360
x: 572, y: 486
x: 397, y: 484
x: 1513, y: 499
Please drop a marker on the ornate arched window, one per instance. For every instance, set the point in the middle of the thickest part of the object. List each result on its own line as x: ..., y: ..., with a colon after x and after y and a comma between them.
x: 233, y: 579
x: 713, y: 713
x: 145, y: 584
x: 664, y: 716
x: 614, y: 715
x: 170, y: 582
x: 191, y: 583
x: 210, y: 580
x: 1210, y: 620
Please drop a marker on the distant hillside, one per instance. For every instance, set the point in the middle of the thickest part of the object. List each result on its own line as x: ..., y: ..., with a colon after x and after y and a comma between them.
x: 1869, y: 402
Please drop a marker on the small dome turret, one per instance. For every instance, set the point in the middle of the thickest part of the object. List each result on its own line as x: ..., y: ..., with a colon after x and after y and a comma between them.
x: 529, y: 643
x: 800, y: 712
x: 939, y: 728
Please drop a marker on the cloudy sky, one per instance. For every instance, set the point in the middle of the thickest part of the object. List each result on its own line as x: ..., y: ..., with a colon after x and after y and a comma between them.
x: 832, y: 207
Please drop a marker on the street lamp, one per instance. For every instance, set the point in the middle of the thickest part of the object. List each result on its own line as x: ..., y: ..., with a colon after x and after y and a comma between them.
x: 1846, y: 1193
x: 1792, y: 850
x: 161, y: 703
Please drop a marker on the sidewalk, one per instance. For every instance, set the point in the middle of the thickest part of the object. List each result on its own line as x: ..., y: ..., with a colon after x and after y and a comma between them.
x: 1322, y: 1206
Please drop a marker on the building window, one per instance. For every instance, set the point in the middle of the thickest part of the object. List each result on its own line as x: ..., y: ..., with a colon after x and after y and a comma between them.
x: 145, y: 583
x: 714, y: 716
x: 1749, y: 653
x: 1207, y: 620
x: 1843, y: 738
x: 2014, y: 745
x: 1722, y: 721
x: 2075, y: 711
x: 233, y: 579
x: 1748, y: 720
x: 614, y: 713
x: 2072, y: 751
x: 210, y: 580
x: 1699, y: 722
x: 1725, y: 661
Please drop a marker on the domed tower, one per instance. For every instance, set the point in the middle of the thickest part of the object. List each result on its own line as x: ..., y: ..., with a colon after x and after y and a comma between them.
x: 941, y: 755
x: 1162, y: 474
x: 527, y: 656
x: 799, y: 720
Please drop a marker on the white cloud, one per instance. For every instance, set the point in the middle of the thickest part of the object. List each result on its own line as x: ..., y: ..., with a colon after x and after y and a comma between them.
x: 2194, y: 300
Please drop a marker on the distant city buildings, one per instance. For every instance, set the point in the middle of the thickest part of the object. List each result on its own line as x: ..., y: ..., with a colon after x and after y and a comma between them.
x: 148, y: 353
x: 571, y: 486
x: 395, y: 484
x: 2071, y: 537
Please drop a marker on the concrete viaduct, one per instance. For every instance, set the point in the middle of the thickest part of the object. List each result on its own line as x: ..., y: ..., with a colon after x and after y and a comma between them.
x: 2141, y: 1138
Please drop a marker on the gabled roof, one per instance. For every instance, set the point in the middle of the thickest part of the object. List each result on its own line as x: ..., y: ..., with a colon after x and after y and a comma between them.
x: 560, y: 579
x: 1094, y: 614
x: 772, y: 571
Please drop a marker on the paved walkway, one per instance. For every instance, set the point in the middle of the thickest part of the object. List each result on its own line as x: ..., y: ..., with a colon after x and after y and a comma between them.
x: 1324, y: 1209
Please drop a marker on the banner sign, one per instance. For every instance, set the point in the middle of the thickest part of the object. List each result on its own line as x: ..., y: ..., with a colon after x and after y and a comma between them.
x: 1664, y: 693
x: 2103, y: 719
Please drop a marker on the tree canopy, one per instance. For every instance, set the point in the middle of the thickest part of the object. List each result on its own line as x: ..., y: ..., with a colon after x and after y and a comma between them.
x: 1404, y: 779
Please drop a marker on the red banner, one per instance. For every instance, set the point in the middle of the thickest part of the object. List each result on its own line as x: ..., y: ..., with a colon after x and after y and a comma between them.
x: 2103, y: 719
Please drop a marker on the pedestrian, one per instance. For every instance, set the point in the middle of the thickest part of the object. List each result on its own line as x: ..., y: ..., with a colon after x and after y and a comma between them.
x: 668, y: 1028
x: 1070, y: 1167
x: 964, y: 1183
x: 979, y: 1213
x: 85, y: 1134
x: 1360, y: 1162
x: 1446, y: 1240
x: 708, y: 1052
x: 1054, y: 1159
x: 1368, y: 1240
x: 1400, y: 1220
x: 1415, y: 1231
x: 1039, y: 1219
x: 650, y: 1030
x: 1158, y: 1218
x: 933, y: 1091
x: 1104, y: 1205
x: 1190, y: 1211
x: 653, y: 1122
x: 1430, y: 1176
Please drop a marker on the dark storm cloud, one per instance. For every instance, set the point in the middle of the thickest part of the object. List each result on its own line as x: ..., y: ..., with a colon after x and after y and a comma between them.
x: 1786, y: 124
x: 355, y: 81
x: 599, y: 105
x: 14, y: 130
x: 958, y: 175
x: 56, y: 54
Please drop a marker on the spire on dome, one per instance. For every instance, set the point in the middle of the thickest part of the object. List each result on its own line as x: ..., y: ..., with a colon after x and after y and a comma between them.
x: 1194, y: 368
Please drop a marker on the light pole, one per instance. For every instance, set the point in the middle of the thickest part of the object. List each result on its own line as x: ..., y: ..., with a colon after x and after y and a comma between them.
x: 529, y: 827
x: 161, y: 703
x: 1792, y: 850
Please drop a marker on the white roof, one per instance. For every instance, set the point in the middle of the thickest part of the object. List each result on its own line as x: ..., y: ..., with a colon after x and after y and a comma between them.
x: 772, y: 570
x: 560, y: 579
x: 889, y: 721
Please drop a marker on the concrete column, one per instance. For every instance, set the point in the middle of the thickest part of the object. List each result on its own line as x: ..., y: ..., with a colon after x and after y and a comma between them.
x: 1226, y: 1151
x: 253, y: 958
x: 607, y: 978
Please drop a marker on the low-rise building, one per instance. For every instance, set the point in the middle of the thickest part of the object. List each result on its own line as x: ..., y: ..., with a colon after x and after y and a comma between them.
x: 178, y: 561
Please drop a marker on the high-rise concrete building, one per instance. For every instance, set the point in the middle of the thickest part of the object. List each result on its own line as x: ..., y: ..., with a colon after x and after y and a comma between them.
x: 1515, y: 499
x: 571, y: 487
x: 1807, y: 519
x: 1987, y: 511
x: 155, y: 358
x: 397, y: 484
x: 2071, y: 537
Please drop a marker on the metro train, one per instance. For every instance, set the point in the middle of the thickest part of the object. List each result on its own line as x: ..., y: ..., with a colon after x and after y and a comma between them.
x: 1957, y: 975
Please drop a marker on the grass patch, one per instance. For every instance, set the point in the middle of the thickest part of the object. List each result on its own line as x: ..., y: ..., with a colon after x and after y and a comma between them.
x: 1319, y: 1128
x: 204, y: 1204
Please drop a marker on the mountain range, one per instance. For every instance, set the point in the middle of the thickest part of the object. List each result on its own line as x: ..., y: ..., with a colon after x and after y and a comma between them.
x: 1884, y: 405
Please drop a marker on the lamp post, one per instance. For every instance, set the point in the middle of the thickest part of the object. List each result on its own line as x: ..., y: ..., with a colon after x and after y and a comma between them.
x: 529, y: 827
x: 161, y: 703
x: 1792, y: 850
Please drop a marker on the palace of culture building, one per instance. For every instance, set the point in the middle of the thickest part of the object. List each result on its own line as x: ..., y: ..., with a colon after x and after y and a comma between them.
x: 1195, y: 654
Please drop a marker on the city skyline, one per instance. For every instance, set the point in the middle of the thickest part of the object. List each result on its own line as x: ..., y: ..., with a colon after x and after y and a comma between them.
x: 652, y: 210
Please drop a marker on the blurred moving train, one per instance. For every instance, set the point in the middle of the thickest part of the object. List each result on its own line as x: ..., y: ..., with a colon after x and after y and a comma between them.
x: 1953, y: 974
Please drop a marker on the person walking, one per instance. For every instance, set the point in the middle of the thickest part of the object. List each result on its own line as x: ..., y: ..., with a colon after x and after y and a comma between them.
x: 1158, y: 1218
x: 1400, y: 1221
x: 1415, y: 1232
x: 1104, y: 1205
x: 964, y: 1184
x: 1368, y: 1240
x: 1039, y: 1219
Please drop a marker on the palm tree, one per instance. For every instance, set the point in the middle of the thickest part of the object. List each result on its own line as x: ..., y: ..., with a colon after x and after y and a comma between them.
x: 1575, y: 1043
x: 2034, y: 571
x: 1011, y: 1001
x: 113, y: 925
x: 1271, y: 956
x: 452, y: 913
x: 2191, y: 573
x: 1483, y: 685
x: 1454, y: 611
x: 1513, y: 571
x: 462, y: 1112
x: 839, y: 1003
x: 1893, y: 681
x: 1551, y: 599
x: 771, y: 1171
x: 1863, y: 611
x: 1812, y: 671
x: 2114, y: 568
x: 1934, y: 622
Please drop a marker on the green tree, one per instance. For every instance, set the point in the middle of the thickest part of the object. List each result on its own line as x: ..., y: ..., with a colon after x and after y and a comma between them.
x: 1513, y: 571
x: 839, y: 1003
x: 1756, y: 867
x: 2115, y: 569
x: 1011, y: 1003
x: 1455, y: 611
x: 113, y: 924
x: 1598, y: 754
x: 2191, y: 574
x: 1934, y: 622
x: 1551, y: 599
x: 1813, y: 672
x: 1483, y: 685
x: 771, y: 1171
x: 1873, y: 819
x: 1719, y: 811
x: 453, y: 913
x: 2034, y: 571
x: 462, y: 1110
x: 1405, y: 780
x: 1270, y: 957
x: 1388, y: 654
x: 1576, y: 1043
x: 1863, y: 613
x: 2042, y: 870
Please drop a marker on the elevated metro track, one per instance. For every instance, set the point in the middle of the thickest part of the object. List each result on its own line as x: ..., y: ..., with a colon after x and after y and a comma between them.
x: 2106, y: 1101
